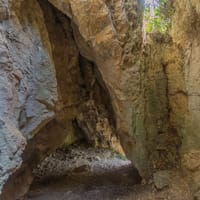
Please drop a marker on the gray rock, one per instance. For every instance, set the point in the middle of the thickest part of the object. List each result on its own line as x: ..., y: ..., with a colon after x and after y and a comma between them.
x: 12, y: 144
x: 161, y: 179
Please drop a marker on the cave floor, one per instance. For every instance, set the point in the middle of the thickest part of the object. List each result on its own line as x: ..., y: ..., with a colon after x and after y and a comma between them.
x: 94, y: 174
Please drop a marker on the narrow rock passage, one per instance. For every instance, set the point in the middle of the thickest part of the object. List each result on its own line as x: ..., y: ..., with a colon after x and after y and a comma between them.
x: 86, y: 173
x: 107, y: 185
x: 83, y: 173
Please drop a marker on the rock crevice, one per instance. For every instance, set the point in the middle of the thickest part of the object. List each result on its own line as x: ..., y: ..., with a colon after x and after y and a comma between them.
x: 73, y: 69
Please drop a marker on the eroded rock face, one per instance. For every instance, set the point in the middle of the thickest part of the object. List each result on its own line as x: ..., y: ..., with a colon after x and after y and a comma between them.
x: 163, y: 91
x: 185, y: 34
x: 43, y: 105
x: 107, y: 33
x: 102, y: 39
x: 27, y: 76
x: 73, y: 68
x: 12, y: 144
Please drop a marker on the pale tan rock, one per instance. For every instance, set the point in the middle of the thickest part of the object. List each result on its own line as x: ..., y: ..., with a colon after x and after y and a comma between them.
x: 107, y: 33
x: 185, y: 33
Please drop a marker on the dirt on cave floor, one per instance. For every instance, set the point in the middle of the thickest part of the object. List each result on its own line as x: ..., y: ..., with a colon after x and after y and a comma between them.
x: 86, y: 173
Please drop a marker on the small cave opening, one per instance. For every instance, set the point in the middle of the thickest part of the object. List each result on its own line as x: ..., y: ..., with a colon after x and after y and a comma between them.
x: 79, y: 171
x: 76, y: 155
x: 91, y: 154
x: 89, y: 112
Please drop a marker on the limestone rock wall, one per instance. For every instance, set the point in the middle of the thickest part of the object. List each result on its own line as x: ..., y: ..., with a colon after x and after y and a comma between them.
x: 43, y: 91
x: 73, y: 68
x: 109, y: 34
x: 185, y: 33
x: 162, y: 92
x: 27, y: 76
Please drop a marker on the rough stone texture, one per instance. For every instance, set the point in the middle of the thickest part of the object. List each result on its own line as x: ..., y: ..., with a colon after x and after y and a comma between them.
x: 185, y: 33
x: 162, y: 86
x: 98, y: 39
x: 42, y: 88
x: 30, y: 53
x: 161, y: 179
x: 74, y: 68
x: 109, y: 34
x: 27, y: 76
x: 12, y: 144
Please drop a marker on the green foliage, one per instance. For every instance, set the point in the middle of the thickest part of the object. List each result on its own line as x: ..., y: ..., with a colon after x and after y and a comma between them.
x: 157, y: 15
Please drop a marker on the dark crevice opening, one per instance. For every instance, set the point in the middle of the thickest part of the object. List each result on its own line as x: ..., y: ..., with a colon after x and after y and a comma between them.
x: 50, y: 137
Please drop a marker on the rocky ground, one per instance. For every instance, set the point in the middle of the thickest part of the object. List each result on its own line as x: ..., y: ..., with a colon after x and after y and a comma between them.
x: 85, y: 173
